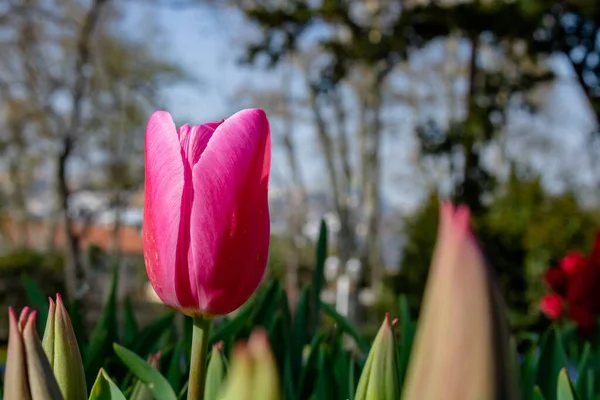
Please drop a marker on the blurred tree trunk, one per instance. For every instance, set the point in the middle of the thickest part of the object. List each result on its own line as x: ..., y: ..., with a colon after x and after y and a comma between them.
x: 296, y: 210
x: 74, y: 270
x: 346, y: 238
x: 116, y: 231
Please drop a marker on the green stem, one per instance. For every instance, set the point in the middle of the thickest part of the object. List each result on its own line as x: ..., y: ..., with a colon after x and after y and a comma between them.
x: 198, y: 358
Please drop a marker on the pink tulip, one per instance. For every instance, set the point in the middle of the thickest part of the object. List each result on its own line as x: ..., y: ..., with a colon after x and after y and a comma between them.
x: 206, y: 215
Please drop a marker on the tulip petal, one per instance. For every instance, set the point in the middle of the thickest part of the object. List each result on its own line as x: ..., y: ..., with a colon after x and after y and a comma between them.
x: 194, y: 141
x: 15, y: 376
x: 164, y: 184
x: 42, y: 382
x: 230, y: 216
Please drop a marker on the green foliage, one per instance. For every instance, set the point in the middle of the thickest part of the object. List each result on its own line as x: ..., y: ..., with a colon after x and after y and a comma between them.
x: 524, y: 231
x: 319, y: 365
x: 105, y: 389
x: 28, y: 260
x: 156, y: 383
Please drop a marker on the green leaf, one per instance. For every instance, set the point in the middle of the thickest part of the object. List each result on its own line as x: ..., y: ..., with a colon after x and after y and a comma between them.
x: 277, y: 341
x: 105, y: 389
x: 175, y: 371
x: 318, y: 276
x: 582, y: 368
x: 326, y: 384
x: 407, y: 335
x: 104, y: 333
x: 341, y: 367
x: 346, y: 326
x: 130, y: 326
x: 153, y: 379
x: 299, y: 331
x: 74, y: 310
x: 309, y: 372
x: 590, y: 384
x: 537, y: 394
x: 38, y: 300
x: 552, y: 360
x: 268, y: 305
x: 147, y: 339
x: 529, y: 368
x: 352, y: 378
x: 564, y: 388
x: 233, y: 327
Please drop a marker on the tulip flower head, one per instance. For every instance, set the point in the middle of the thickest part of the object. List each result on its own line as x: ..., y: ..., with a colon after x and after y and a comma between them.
x: 206, y: 216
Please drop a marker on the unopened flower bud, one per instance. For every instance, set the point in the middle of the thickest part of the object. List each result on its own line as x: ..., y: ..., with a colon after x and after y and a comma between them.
x: 63, y: 353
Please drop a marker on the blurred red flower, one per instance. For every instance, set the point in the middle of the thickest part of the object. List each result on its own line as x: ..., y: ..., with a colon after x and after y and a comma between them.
x: 552, y: 305
x: 575, y: 286
x: 573, y: 262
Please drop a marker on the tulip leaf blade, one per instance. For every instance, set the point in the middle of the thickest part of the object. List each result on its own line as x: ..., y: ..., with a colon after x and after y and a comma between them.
x: 352, y: 378
x: 529, y: 368
x: 346, y: 326
x: 310, y: 370
x: 233, y: 327
x: 130, y: 326
x: 564, y: 389
x: 582, y: 368
x: 175, y: 373
x: 299, y: 335
x: 37, y: 298
x: 152, y: 378
x: 105, y: 389
x: 104, y: 332
x: 537, y: 394
x: 318, y: 275
x: 407, y: 335
x: 268, y: 304
x: 326, y: 387
x: 552, y: 359
x: 146, y: 340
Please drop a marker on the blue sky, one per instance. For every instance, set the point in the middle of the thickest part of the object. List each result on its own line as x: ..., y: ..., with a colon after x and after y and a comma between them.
x: 208, y: 43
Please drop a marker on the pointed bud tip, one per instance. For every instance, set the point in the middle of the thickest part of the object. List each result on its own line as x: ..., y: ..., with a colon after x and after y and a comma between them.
x: 218, y: 346
x: 240, y: 350
x: 59, y: 301
x: 12, y: 319
x: 258, y: 339
x: 23, y: 317
x: 31, y: 319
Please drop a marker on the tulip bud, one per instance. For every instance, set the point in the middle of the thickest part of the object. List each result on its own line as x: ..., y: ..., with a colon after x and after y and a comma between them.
x: 379, y: 379
x: 253, y: 373
x: 461, y: 344
x: 140, y: 390
x: 206, y: 212
x: 63, y: 353
x: 28, y: 373
x: 215, y: 375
